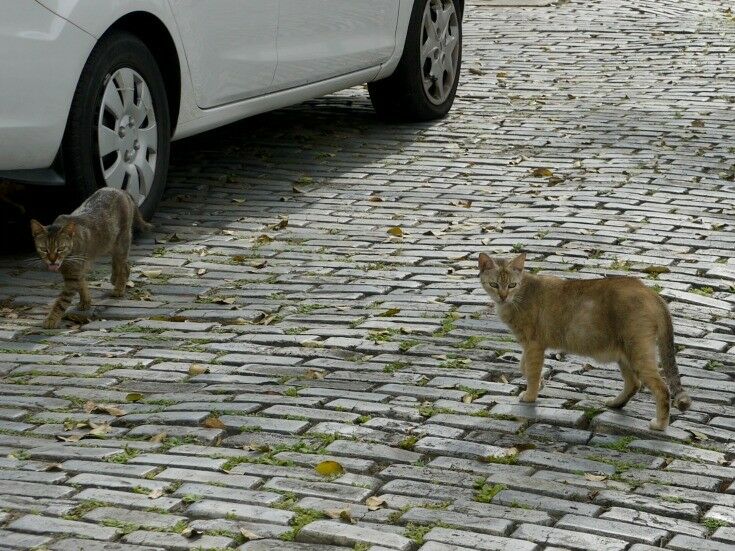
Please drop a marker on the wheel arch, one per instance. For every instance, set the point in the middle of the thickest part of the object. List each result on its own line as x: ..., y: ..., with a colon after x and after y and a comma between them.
x: 156, y: 36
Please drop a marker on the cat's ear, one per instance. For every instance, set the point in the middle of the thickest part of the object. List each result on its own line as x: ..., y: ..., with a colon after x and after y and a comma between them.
x: 69, y: 228
x: 486, y: 263
x: 37, y: 228
x: 517, y: 262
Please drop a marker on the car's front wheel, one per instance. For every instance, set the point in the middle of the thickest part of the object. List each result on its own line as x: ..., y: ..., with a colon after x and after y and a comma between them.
x: 118, y: 133
x: 424, y: 84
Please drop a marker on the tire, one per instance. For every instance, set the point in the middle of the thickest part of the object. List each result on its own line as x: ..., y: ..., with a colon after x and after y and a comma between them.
x: 138, y: 149
x: 403, y: 95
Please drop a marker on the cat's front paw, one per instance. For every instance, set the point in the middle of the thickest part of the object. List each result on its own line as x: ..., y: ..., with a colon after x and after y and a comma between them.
x: 655, y: 424
x: 526, y: 397
x: 51, y: 323
x: 117, y: 293
x: 85, y: 305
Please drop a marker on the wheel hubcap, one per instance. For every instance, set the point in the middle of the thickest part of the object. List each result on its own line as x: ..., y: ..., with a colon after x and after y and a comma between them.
x: 127, y: 136
x: 439, y: 49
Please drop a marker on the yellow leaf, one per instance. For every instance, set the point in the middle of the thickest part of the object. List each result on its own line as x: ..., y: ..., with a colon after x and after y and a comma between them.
x: 329, y: 468
x: 151, y: 273
x: 201, y: 271
x: 134, y: 397
x: 467, y: 398
x: 395, y: 231
x: 155, y: 494
x: 389, y: 313
x: 502, y: 74
x: 594, y: 477
x: 213, y: 423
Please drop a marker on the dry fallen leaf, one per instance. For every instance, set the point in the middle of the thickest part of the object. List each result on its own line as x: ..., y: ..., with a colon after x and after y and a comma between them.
x: 201, y: 271
x: 70, y: 438
x: 374, y: 503
x: 502, y: 74
x: 656, y: 270
x: 389, y: 313
x: 698, y: 123
x: 595, y: 477
x: 476, y: 71
x: 395, y: 231
x: 281, y: 224
x: 541, y: 173
x: 158, y: 438
x: 190, y: 533
x: 151, y: 273
x: 99, y: 429
x: 155, y: 494
x: 198, y: 369
x: 341, y: 514
x: 329, y: 468
x: 263, y: 239
x: 314, y: 374
x: 250, y: 535
x: 259, y: 265
x: 467, y: 398
x: 213, y: 423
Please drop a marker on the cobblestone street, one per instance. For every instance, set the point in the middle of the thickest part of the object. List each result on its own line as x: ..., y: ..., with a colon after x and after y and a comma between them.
x: 305, y: 360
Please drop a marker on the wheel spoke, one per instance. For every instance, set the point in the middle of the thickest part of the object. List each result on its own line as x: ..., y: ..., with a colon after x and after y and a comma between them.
x: 429, y: 47
x: 126, y: 84
x: 112, y: 101
x: 108, y: 140
x: 149, y: 137
x: 133, y: 187
x: 146, y: 173
x: 115, y: 175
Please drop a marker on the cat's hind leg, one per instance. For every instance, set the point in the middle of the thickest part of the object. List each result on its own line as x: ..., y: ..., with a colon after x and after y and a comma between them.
x: 644, y: 363
x: 120, y: 268
x: 631, y: 386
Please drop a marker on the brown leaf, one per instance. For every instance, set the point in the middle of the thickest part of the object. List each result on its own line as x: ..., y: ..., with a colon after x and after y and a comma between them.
x: 263, y: 239
x: 158, y: 438
x: 314, y: 374
x: 259, y: 265
x: 344, y: 515
x: 198, y: 369
x: 594, y: 477
x: 191, y: 533
x: 502, y: 74
x: 464, y: 203
x: 476, y: 71
x: 155, y: 494
x: 52, y: 467
x: 329, y: 468
x: 238, y: 201
x: 375, y: 199
x: 374, y: 503
x: 542, y: 173
x: 201, y: 271
x: 389, y: 313
x: 89, y: 407
x: 467, y: 398
x: 281, y: 224
x: 213, y: 423
x: 656, y: 270
x: 698, y: 123
x: 395, y: 231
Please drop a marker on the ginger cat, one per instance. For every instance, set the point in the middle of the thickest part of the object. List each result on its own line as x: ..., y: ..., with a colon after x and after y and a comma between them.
x: 611, y: 319
x: 102, y: 225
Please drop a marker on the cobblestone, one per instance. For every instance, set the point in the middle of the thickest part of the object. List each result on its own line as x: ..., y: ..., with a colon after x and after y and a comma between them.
x: 379, y: 353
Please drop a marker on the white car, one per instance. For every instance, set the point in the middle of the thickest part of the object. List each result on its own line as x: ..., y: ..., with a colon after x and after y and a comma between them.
x: 92, y: 92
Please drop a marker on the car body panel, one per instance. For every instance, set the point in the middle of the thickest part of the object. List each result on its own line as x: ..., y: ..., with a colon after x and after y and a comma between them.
x: 322, y: 39
x: 55, y: 67
x: 230, y: 47
x: 34, y: 103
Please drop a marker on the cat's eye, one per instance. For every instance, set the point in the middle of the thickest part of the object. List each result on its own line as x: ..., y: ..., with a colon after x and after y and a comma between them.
x: 511, y: 285
x: 494, y: 285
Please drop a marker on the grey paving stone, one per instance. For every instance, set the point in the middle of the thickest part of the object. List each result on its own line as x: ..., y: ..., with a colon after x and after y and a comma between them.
x: 145, y: 519
x: 176, y: 541
x: 37, y: 524
x: 17, y: 540
x: 208, y: 477
x: 612, y: 528
x: 280, y: 545
x: 331, y: 532
x: 76, y: 544
x: 552, y: 505
x: 375, y: 452
x: 486, y: 525
x: 459, y: 448
x: 651, y: 520
x: 478, y: 541
x: 252, y: 513
x: 128, y: 499
x: 687, y: 543
x: 565, y: 538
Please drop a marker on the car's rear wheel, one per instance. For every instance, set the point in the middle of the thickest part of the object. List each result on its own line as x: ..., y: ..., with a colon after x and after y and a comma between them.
x: 118, y: 133
x: 424, y: 84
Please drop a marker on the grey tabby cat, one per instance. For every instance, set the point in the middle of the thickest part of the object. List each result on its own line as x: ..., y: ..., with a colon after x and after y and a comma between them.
x: 102, y: 225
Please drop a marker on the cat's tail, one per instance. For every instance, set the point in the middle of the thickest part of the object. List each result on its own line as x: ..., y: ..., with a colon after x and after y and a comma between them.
x: 667, y: 353
x: 139, y: 223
